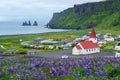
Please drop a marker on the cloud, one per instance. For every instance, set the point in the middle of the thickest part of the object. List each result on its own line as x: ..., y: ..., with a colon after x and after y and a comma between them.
x: 35, y: 8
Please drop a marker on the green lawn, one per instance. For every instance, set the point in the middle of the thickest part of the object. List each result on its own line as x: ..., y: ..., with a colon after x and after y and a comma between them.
x: 13, y: 42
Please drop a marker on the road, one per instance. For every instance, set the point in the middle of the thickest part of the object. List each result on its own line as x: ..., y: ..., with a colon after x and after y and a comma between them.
x: 59, y: 54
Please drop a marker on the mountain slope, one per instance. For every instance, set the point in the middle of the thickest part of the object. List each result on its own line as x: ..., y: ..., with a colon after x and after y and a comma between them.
x: 100, y: 14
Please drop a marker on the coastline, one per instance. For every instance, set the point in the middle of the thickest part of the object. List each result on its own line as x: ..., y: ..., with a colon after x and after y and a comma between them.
x: 33, y: 33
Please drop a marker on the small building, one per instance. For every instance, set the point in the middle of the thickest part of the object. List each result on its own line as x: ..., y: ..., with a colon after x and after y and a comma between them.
x: 102, y: 42
x: 76, y: 40
x: 87, y: 47
x: 50, y: 47
x: 85, y: 37
x: 50, y: 41
x: 12, y: 52
x: 38, y: 40
x: 65, y: 41
x: 25, y: 44
x: 117, y: 54
x: 108, y: 37
x: 117, y: 46
x: 32, y: 52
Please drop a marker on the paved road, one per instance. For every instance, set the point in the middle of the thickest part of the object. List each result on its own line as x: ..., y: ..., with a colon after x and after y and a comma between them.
x: 59, y: 54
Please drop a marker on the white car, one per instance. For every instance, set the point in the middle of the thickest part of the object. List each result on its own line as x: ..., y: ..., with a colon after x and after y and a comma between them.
x: 64, y: 56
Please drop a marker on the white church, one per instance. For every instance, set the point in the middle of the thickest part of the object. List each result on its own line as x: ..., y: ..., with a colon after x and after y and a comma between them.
x: 87, y: 47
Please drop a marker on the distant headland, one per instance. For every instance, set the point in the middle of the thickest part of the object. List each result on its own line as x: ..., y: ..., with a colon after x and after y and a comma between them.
x: 28, y: 23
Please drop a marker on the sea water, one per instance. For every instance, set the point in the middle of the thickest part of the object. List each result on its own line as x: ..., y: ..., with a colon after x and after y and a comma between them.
x: 16, y: 28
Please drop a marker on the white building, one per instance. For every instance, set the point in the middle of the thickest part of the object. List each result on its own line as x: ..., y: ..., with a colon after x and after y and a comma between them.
x: 108, y: 37
x: 87, y: 47
x: 117, y: 54
x: 117, y: 46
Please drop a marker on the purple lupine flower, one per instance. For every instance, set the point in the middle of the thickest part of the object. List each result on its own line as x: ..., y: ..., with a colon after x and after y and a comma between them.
x: 35, y: 77
x: 1, y: 75
x: 103, y: 78
x: 62, y: 70
x: 34, y: 69
x: 43, y: 76
x: 16, y: 68
x: 11, y: 70
x: 27, y: 77
x: 53, y: 72
x: 0, y: 63
x: 101, y: 73
x: 18, y: 77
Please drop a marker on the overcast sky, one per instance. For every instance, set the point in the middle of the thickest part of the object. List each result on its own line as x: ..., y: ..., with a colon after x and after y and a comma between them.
x: 34, y: 9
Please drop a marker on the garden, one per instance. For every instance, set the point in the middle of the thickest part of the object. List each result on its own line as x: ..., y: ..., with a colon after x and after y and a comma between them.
x: 39, y: 68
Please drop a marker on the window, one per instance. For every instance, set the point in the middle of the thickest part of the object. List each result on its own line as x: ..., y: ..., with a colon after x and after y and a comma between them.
x: 87, y: 50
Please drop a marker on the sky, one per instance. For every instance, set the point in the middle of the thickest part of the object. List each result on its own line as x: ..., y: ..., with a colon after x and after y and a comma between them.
x: 42, y: 10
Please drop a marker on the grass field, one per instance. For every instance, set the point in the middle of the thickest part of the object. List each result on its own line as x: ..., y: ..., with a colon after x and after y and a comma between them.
x: 28, y: 68
x: 13, y: 42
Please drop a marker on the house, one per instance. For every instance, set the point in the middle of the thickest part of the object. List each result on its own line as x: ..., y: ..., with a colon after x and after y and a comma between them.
x: 76, y: 40
x: 108, y: 37
x: 49, y: 41
x: 65, y: 41
x: 12, y: 52
x: 38, y: 40
x: 85, y: 37
x: 117, y: 54
x: 50, y: 47
x: 25, y: 44
x: 87, y: 47
x: 102, y: 42
x: 32, y: 52
x: 117, y: 46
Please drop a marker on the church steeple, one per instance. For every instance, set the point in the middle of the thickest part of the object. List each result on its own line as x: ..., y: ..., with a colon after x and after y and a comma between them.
x: 93, y: 36
x: 93, y: 33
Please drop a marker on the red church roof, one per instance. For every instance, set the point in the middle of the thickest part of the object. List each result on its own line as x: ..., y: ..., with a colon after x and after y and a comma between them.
x: 93, y: 34
x: 78, y: 47
x: 89, y: 45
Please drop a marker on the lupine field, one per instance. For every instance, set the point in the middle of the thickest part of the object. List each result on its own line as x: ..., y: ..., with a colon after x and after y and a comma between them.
x: 97, y: 68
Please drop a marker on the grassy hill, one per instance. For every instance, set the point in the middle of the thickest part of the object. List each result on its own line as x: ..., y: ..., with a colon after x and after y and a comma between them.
x: 102, y: 15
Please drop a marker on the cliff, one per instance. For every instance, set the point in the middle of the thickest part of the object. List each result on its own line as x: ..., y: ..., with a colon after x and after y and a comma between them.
x: 99, y: 14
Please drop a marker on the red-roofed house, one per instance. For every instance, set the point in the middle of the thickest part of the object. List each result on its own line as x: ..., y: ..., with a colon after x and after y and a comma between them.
x: 87, y: 47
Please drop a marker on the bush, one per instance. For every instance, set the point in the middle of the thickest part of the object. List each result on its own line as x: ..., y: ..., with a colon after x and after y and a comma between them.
x: 23, y: 52
x: 114, y: 72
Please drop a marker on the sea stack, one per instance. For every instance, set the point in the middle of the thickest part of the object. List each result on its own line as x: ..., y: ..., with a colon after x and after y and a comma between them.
x: 35, y: 23
x: 26, y: 23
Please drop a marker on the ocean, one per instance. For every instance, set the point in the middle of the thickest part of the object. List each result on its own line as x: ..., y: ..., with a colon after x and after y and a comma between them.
x: 16, y: 28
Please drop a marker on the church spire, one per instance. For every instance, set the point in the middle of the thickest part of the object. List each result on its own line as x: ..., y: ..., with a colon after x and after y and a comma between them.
x: 93, y: 36
x: 93, y: 33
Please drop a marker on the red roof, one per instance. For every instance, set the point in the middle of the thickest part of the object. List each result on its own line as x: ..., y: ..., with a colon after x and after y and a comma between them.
x: 89, y: 45
x: 93, y: 34
x: 78, y: 47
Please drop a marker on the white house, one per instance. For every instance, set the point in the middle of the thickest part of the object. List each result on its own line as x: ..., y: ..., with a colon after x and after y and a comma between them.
x: 117, y: 46
x: 108, y: 37
x: 102, y: 42
x: 117, y: 54
x: 87, y: 47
